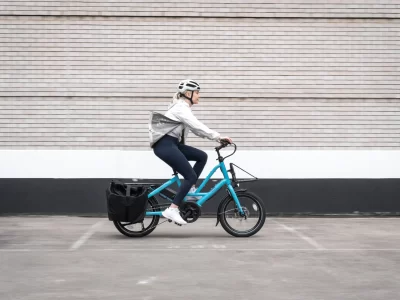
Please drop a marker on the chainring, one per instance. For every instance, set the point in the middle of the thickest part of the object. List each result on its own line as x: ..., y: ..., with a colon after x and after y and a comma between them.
x: 190, y: 211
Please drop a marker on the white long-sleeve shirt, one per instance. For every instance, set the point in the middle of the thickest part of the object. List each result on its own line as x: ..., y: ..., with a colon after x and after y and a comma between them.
x: 181, y: 111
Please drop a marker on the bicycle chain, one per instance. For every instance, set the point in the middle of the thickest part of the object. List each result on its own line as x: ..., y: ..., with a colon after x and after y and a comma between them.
x: 159, y: 206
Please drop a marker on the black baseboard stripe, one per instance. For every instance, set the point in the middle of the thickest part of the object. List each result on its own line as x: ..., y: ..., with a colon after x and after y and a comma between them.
x: 282, y: 197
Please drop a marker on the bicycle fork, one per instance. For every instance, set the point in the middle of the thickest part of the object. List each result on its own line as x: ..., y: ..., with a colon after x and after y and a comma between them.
x: 232, y: 194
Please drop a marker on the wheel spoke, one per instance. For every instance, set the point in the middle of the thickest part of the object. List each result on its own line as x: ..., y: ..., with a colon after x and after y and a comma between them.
x: 127, y: 224
x: 243, y: 225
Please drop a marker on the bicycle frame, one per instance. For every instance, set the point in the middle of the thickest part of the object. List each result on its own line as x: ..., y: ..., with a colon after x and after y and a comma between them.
x: 204, y: 196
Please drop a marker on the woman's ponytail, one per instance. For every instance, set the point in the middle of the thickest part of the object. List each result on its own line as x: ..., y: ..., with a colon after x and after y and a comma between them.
x: 176, y: 97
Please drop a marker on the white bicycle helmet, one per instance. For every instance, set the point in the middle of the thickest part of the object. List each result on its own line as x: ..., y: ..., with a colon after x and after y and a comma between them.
x: 188, y: 85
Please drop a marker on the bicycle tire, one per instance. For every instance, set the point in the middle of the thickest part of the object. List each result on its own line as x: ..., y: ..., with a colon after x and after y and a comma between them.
x: 154, y: 222
x: 247, y: 233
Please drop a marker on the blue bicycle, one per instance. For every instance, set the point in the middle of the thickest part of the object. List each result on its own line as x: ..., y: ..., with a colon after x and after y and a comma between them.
x: 241, y: 213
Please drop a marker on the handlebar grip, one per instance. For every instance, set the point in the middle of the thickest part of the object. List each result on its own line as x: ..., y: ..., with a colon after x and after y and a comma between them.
x: 223, y: 144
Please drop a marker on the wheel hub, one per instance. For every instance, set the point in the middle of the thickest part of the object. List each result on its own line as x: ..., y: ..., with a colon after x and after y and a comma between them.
x: 245, y: 215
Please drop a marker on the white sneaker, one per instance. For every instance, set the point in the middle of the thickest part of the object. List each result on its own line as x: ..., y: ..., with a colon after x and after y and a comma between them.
x: 193, y: 198
x: 173, y: 214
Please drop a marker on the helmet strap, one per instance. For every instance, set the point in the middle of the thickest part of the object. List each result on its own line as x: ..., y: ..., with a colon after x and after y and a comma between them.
x: 190, y: 99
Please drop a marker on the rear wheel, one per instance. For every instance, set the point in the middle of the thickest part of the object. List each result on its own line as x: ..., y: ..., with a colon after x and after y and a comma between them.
x: 143, y: 228
x: 243, y: 225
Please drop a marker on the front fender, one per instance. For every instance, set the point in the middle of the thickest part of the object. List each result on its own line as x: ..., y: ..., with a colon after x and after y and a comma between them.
x: 222, y: 202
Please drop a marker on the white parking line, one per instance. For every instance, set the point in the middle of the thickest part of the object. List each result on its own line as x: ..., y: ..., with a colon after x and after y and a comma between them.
x: 86, y: 236
x: 245, y: 249
x: 147, y: 281
x: 212, y: 249
x: 302, y: 236
x: 31, y: 250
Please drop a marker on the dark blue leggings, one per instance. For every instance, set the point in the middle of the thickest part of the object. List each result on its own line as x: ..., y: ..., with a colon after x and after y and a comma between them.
x: 177, y: 156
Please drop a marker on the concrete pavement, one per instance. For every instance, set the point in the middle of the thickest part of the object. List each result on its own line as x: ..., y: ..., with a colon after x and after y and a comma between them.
x: 66, y: 257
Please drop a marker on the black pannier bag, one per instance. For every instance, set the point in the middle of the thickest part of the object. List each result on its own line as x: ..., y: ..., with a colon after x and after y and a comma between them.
x: 126, y: 203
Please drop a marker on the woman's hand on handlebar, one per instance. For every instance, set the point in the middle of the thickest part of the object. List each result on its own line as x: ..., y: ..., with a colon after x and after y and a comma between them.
x: 224, y: 142
x: 225, y: 139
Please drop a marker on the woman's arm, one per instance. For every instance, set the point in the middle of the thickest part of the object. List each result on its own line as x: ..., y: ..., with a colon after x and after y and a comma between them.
x: 185, y: 115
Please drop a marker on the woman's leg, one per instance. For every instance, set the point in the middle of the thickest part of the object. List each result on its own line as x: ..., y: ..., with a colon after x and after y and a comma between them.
x: 167, y: 150
x: 194, y: 154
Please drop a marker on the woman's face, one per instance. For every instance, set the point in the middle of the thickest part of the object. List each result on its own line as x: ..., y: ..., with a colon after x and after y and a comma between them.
x: 196, y: 96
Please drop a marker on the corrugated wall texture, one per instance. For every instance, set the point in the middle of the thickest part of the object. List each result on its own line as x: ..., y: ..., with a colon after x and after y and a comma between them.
x: 315, y: 81
x: 208, y: 8
x: 242, y: 58
x: 281, y: 123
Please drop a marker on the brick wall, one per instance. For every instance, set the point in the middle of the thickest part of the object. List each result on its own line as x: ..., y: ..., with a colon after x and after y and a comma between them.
x: 208, y: 8
x: 84, y: 75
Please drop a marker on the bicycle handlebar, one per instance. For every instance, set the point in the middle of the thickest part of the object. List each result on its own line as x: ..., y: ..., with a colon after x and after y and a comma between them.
x: 223, y: 145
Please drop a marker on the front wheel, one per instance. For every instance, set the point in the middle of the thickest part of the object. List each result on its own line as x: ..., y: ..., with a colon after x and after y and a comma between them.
x: 242, y: 225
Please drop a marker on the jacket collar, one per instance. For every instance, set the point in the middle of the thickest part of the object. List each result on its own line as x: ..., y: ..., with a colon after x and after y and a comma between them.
x: 185, y: 103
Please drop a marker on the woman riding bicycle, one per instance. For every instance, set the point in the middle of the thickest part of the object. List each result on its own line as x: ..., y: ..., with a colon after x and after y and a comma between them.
x: 171, y: 147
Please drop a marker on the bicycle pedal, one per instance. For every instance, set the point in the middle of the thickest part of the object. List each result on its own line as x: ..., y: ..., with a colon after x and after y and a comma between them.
x: 178, y: 224
x: 169, y: 220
